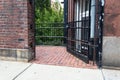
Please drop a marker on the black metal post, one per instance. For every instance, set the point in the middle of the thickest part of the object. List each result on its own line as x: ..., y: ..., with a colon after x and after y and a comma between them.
x: 65, y: 19
x: 34, y: 28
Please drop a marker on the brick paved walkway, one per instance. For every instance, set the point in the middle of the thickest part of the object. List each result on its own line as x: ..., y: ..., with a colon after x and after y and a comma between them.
x: 57, y: 55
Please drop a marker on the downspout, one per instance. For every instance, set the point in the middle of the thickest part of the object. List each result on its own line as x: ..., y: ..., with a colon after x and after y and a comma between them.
x: 92, y: 25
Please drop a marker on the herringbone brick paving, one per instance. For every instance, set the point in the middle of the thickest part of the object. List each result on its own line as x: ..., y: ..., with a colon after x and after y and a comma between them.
x: 58, y: 55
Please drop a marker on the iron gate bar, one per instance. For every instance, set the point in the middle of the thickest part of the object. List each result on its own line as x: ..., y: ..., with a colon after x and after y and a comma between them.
x: 86, y: 43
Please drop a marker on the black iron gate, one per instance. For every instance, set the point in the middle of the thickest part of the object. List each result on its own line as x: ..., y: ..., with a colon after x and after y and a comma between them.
x: 84, y: 33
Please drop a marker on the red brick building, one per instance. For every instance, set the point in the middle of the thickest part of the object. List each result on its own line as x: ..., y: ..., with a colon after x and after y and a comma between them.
x: 16, y: 30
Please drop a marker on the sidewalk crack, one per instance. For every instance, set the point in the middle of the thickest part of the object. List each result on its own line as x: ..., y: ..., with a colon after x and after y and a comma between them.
x: 102, y: 74
x: 21, y: 72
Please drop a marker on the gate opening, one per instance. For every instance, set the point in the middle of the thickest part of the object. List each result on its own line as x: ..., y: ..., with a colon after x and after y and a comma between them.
x: 80, y: 34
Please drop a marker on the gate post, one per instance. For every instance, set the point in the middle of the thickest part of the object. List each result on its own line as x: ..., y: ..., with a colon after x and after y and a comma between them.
x: 16, y: 30
x: 65, y: 20
x: 111, y: 34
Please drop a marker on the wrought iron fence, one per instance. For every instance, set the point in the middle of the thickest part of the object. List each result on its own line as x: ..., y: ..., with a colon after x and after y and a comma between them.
x: 50, y: 34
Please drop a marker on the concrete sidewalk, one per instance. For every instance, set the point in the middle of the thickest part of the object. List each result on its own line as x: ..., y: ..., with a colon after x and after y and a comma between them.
x: 29, y: 71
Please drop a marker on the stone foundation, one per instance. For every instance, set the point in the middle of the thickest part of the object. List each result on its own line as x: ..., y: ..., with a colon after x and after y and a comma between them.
x: 111, y: 51
x: 16, y: 55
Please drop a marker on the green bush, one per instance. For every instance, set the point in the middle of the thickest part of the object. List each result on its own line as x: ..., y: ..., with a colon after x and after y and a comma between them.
x: 47, y: 16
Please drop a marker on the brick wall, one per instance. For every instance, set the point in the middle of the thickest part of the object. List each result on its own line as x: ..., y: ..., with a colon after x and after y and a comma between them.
x: 112, y: 18
x: 15, y: 29
x: 13, y: 20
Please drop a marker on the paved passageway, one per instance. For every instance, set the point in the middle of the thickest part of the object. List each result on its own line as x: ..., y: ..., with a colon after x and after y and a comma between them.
x: 58, y: 55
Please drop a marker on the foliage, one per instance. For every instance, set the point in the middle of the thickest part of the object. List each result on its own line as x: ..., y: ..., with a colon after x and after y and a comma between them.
x: 47, y: 16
